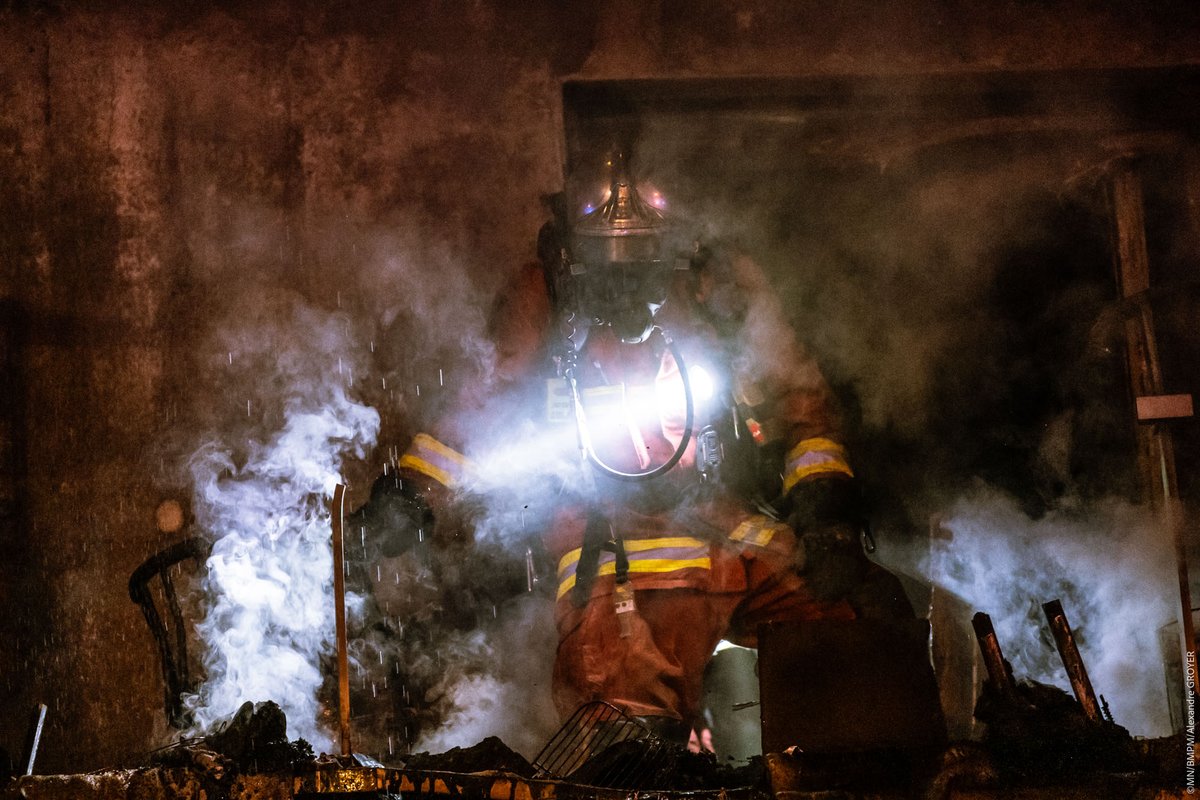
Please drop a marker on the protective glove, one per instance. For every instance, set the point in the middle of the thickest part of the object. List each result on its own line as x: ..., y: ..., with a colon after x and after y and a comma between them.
x: 408, y: 512
x: 399, y: 514
x: 827, y: 516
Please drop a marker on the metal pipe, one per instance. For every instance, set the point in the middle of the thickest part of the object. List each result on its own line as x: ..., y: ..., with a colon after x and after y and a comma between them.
x: 999, y: 674
x: 1072, y: 660
x: 35, y: 737
x: 339, y: 613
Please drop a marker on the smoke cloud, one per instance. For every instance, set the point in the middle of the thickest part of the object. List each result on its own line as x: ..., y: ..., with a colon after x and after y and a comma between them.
x: 1109, y: 564
x: 498, y: 684
x: 956, y: 295
x: 458, y: 640
x: 263, y: 500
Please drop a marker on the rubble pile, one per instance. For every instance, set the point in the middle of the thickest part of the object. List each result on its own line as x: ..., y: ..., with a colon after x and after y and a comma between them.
x: 1039, y: 734
x: 671, y: 768
x: 489, y: 755
x: 252, y: 741
x: 1037, y: 738
x: 654, y: 766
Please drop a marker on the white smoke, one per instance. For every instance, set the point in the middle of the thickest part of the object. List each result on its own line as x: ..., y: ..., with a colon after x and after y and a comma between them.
x: 264, y: 501
x: 497, y: 683
x: 1109, y: 564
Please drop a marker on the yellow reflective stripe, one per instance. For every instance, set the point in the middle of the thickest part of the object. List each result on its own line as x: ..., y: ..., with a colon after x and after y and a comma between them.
x: 607, y: 568
x: 425, y: 468
x: 669, y: 564
x: 635, y: 546
x: 568, y: 559
x: 742, y: 531
x: 758, y: 531
x: 608, y: 564
x: 430, y: 457
x: 814, y: 457
x: 649, y: 565
x: 638, y: 545
x: 425, y: 441
x: 817, y: 443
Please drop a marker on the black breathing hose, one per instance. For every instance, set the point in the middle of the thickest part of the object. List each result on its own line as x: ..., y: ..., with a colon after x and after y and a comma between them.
x: 689, y: 419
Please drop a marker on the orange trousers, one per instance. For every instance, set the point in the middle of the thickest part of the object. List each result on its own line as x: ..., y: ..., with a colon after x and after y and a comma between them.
x: 658, y: 669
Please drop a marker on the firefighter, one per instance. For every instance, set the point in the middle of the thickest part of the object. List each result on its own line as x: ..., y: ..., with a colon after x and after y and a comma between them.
x: 717, y: 493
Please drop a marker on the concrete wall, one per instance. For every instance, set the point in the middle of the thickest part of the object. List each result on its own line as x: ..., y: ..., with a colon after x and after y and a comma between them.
x: 156, y: 160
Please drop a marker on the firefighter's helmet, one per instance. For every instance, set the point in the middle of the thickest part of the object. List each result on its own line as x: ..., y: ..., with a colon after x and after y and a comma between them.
x: 621, y: 259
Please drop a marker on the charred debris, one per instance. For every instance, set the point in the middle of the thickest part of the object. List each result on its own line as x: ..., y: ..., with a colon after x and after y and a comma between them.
x: 1038, y: 738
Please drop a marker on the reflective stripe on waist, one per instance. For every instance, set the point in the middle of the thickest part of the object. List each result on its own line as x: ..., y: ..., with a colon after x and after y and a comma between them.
x: 664, y: 555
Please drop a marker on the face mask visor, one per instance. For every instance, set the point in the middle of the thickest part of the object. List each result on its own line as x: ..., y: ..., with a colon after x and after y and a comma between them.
x: 619, y: 263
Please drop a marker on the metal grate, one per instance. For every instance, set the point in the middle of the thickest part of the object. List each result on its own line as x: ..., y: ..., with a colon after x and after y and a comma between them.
x: 599, y: 745
x: 593, y: 728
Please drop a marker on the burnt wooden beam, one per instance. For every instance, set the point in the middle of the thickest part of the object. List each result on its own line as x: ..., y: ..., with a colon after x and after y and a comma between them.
x: 1081, y: 685
x: 999, y: 675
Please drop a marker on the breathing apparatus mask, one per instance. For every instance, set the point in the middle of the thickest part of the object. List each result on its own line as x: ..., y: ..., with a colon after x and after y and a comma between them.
x: 615, y: 272
x: 617, y: 269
